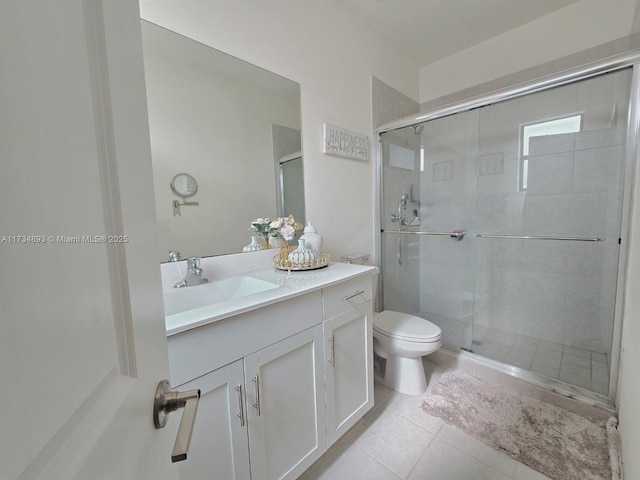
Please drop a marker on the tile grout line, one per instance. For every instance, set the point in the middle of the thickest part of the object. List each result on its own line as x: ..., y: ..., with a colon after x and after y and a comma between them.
x: 377, y: 461
x: 479, y: 459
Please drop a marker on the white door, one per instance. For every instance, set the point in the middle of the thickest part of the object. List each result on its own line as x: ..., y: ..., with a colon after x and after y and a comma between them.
x: 82, y: 341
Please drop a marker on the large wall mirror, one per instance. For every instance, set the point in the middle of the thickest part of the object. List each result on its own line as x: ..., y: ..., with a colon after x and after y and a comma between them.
x: 235, y: 128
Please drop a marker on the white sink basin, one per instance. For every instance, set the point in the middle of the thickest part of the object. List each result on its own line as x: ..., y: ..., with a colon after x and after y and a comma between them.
x: 207, y: 294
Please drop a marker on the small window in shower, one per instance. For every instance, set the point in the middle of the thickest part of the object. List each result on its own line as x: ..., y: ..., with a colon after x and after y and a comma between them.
x: 557, y: 126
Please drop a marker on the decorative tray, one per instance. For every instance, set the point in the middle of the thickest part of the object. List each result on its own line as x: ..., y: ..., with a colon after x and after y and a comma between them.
x: 320, y: 262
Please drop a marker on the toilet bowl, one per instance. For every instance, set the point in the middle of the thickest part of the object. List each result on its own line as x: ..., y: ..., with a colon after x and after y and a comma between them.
x: 403, y: 340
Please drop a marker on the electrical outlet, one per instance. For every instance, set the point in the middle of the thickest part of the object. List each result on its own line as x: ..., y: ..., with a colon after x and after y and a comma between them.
x: 163, y: 226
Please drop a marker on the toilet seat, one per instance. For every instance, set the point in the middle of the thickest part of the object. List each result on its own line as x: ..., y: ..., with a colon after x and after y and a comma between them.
x: 403, y: 326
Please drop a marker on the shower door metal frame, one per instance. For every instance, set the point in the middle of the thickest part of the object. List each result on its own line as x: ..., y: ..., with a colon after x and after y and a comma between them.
x: 614, y: 63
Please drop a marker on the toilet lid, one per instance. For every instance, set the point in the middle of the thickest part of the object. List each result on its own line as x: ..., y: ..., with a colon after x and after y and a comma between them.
x: 405, y: 327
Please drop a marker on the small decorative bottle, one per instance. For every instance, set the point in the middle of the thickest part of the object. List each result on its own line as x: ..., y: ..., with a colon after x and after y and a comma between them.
x: 285, y: 250
x: 302, y: 256
x: 313, y: 240
x: 254, y: 246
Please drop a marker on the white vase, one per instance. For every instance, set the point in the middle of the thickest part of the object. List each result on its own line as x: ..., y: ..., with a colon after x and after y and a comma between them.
x: 311, y: 237
x: 276, y: 242
x: 254, y: 246
x: 302, y: 256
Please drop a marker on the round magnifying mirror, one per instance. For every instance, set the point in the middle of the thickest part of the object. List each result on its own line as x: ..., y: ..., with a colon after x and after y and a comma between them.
x: 184, y: 185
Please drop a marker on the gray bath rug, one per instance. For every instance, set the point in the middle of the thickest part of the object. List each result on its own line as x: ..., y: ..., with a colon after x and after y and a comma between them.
x: 551, y: 440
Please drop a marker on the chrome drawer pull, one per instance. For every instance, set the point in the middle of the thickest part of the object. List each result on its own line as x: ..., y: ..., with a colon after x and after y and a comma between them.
x: 332, y: 358
x: 240, y: 404
x: 256, y: 381
x: 349, y: 297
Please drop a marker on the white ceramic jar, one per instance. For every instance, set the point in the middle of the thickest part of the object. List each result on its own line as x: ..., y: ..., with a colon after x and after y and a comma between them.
x: 313, y: 240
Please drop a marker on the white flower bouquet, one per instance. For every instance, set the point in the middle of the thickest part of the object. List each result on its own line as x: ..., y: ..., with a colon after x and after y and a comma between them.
x: 281, y: 227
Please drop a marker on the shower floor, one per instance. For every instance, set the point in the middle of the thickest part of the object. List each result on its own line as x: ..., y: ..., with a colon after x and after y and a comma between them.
x: 575, y: 366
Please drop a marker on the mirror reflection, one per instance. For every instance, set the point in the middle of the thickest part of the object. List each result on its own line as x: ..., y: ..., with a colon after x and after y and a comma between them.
x: 232, y: 126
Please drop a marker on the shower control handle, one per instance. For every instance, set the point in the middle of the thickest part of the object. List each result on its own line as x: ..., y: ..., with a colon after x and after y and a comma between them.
x: 394, y: 217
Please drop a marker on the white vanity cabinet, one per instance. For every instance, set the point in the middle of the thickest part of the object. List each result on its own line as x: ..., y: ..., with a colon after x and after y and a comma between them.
x: 347, y: 329
x: 279, y: 383
x: 266, y: 404
x: 261, y: 416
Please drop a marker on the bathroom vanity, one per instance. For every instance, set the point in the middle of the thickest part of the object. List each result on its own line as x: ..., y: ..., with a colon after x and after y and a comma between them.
x: 283, y: 361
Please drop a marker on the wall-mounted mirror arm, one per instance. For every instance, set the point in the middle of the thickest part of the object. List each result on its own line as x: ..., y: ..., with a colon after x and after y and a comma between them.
x: 177, y: 205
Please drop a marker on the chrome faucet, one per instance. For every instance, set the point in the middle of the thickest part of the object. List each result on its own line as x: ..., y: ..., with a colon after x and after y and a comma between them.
x: 174, y: 256
x: 400, y: 216
x: 194, y: 274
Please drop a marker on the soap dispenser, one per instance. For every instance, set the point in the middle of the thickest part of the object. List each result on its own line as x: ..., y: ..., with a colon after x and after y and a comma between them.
x: 311, y: 237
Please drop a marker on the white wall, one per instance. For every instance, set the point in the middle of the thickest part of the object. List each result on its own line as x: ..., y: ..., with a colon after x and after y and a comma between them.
x: 333, y: 57
x: 579, y: 26
x: 628, y: 381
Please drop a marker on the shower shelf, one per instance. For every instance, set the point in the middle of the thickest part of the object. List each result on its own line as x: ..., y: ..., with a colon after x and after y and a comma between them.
x: 541, y: 237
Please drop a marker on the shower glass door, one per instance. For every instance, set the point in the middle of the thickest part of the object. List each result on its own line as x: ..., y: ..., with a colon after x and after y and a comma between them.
x: 536, y: 183
x: 428, y: 201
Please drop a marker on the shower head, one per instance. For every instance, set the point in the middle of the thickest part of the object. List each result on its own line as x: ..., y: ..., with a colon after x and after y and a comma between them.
x: 417, y: 129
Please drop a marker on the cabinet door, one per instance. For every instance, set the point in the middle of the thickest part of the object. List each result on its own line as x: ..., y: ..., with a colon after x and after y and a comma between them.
x: 219, y: 446
x: 287, y: 430
x: 349, y: 369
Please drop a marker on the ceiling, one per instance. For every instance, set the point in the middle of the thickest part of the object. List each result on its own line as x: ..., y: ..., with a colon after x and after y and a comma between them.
x: 428, y: 30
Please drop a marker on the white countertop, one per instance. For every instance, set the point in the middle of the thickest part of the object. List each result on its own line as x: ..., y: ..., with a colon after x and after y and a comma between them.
x: 257, y: 265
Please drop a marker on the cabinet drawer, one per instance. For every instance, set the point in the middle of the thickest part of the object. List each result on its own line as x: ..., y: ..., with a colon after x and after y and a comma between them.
x: 204, y: 349
x: 347, y: 295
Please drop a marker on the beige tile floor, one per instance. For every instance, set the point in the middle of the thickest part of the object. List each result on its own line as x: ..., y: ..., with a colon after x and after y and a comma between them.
x: 397, y: 440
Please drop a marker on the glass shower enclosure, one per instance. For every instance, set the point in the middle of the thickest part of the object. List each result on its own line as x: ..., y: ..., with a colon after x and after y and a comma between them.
x: 502, y: 225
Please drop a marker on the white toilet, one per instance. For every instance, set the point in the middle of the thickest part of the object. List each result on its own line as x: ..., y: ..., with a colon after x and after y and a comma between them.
x: 403, y: 340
